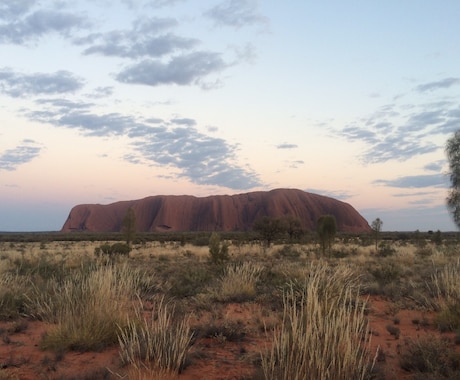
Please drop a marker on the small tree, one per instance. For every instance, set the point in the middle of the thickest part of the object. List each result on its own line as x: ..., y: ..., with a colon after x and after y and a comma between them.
x: 376, y: 226
x: 293, y: 227
x: 268, y: 228
x: 326, y: 228
x: 217, y: 251
x: 437, y: 238
x: 129, y: 226
x: 453, y: 156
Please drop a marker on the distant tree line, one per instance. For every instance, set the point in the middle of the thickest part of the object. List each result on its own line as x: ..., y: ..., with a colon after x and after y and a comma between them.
x: 270, y: 229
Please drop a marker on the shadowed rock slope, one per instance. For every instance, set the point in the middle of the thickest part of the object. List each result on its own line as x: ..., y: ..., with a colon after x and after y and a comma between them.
x: 215, y: 213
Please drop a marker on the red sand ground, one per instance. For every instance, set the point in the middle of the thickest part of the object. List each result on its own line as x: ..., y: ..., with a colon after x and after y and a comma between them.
x: 210, y: 358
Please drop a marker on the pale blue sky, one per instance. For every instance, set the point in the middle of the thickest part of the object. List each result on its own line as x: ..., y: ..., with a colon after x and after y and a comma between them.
x: 104, y: 100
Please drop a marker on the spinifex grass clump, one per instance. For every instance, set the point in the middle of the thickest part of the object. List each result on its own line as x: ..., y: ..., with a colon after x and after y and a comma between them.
x: 13, y: 288
x: 87, y: 307
x: 323, y: 334
x: 239, y: 282
x: 160, y: 342
x: 447, y: 288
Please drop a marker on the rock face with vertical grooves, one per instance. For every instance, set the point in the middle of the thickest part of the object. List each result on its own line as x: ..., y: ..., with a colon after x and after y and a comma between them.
x: 214, y: 213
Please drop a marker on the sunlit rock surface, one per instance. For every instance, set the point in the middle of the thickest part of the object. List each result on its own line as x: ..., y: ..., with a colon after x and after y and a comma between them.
x: 215, y: 213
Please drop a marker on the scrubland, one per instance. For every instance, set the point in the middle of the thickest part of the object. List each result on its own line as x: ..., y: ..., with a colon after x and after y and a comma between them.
x: 172, y: 310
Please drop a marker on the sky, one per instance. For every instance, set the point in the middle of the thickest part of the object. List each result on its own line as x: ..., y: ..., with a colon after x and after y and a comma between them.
x: 110, y: 100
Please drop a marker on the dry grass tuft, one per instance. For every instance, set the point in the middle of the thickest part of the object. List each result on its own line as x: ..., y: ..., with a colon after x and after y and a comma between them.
x: 159, y: 343
x: 323, y: 335
x: 447, y: 288
x: 87, y: 307
x: 239, y: 282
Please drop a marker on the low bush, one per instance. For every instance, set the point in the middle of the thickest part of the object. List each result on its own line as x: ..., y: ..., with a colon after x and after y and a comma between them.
x: 386, y: 273
x: 288, y: 251
x: 227, y: 330
x: 431, y: 358
x: 218, y: 251
x: 201, y: 240
x: 190, y: 281
x: 114, y: 249
x: 385, y: 250
x: 393, y: 330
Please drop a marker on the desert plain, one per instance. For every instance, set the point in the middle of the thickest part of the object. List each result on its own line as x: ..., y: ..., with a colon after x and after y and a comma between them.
x: 168, y: 310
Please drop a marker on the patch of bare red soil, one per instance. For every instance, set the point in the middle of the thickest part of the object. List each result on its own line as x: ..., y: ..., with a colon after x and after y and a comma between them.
x: 392, y: 329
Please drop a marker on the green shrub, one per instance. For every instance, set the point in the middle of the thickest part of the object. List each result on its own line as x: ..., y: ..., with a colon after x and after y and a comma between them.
x: 190, y: 281
x: 218, y: 251
x: 114, y: 249
x: 385, y: 250
x: 288, y: 251
x: 201, y: 240
x: 386, y: 273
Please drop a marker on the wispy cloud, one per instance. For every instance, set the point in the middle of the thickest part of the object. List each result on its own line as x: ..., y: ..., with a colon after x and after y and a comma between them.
x: 158, y: 55
x: 13, y: 9
x: 101, y: 92
x: 164, y: 3
x: 20, y: 23
x: 203, y: 159
x: 341, y: 195
x: 296, y: 164
x: 414, y: 194
x: 181, y: 70
x: 174, y: 143
x: 435, y: 166
x: 139, y: 42
x: 21, y: 154
x: 437, y: 85
x: 184, y: 121
x: 21, y: 85
x: 287, y: 146
x: 237, y: 13
x: 400, y: 132
x: 422, y: 202
x: 79, y: 116
x: 416, y: 181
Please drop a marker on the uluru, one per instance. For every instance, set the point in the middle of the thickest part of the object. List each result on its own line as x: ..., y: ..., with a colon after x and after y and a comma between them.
x: 177, y: 213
